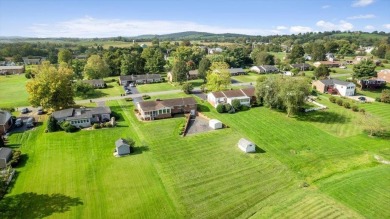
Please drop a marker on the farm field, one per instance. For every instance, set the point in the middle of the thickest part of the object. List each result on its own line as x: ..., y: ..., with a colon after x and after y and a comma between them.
x: 13, y: 91
x: 203, y: 175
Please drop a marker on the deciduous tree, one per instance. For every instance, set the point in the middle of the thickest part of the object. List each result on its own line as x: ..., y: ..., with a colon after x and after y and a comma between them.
x: 204, y: 66
x: 179, y: 71
x: 321, y: 72
x: 218, y: 77
x: 51, y: 87
x: 154, y: 59
x: 96, y: 68
x: 64, y: 55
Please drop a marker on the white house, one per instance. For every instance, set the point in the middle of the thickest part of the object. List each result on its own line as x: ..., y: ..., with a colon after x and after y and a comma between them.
x: 345, y: 88
x: 264, y: 69
x: 122, y: 147
x: 246, y: 145
x: 215, y: 124
x: 335, y: 86
x: 245, y: 96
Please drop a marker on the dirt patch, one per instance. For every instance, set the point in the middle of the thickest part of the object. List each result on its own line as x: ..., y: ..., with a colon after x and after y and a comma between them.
x: 381, y: 160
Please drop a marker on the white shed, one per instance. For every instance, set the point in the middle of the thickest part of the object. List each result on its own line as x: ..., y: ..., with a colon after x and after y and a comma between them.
x: 215, y: 124
x: 246, y: 145
x: 122, y: 147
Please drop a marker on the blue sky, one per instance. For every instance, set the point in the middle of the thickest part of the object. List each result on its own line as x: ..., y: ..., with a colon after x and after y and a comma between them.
x: 71, y: 18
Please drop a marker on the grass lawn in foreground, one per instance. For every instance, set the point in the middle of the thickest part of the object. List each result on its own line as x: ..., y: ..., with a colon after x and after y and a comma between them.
x: 203, y: 175
x: 13, y: 91
x: 146, y: 88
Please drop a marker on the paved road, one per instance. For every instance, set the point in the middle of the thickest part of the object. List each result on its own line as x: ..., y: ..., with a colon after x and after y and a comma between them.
x: 138, y: 96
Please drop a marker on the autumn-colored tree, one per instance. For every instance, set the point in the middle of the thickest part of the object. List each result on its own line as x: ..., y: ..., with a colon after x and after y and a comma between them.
x: 218, y: 77
x: 51, y: 87
x: 64, y: 55
x: 96, y: 68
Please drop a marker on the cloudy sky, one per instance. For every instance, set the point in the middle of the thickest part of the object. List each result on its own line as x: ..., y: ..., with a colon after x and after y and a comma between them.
x: 86, y: 18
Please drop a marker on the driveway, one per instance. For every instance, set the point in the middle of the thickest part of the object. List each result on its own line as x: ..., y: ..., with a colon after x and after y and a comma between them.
x: 368, y: 99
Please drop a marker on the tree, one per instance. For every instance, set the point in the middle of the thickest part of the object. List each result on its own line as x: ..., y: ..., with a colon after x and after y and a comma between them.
x: 385, y: 96
x: 17, y: 58
x: 179, y: 71
x: 297, y: 53
x: 381, y: 51
x: 262, y: 58
x: 154, y: 59
x: 187, y: 88
x: 282, y: 93
x: 331, y: 46
x: 321, y: 72
x: 218, y: 77
x: 132, y: 63
x: 78, y: 67
x: 64, y: 55
x: 51, y: 87
x: 96, y: 68
x: 52, y: 124
x: 204, y: 66
x: 83, y: 90
x: 236, y: 104
x: 365, y: 68
x: 318, y: 52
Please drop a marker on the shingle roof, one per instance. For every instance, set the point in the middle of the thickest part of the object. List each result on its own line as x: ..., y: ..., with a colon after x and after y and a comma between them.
x: 72, y: 113
x: 334, y: 81
x: 268, y: 67
x: 250, y: 91
x: 139, y: 77
x: 300, y: 65
x: 4, y: 117
x: 11, y: 67
x: 235, y: 93
x: 120, y: 142
x: 94, y: 81
x: 63, y: 113
x: 154, y: 105
x: 236, y: 70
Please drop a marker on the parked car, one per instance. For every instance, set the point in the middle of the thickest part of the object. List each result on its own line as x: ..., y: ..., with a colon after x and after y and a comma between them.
x: 363, y: 99
x: 25, y: 110
x: 18, y: 122
x: 40, y: 111
x: 132, y: 85
x: 128, y: 92
x: 30, y: 122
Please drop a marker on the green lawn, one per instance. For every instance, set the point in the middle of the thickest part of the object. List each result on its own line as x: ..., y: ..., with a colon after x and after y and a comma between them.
x: 204, y: 175
x: 13, y: 91
x: 250, y: 77
x: 146, y: 88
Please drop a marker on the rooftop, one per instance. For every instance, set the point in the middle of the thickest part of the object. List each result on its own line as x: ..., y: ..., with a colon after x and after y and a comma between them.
x: 4, y: 117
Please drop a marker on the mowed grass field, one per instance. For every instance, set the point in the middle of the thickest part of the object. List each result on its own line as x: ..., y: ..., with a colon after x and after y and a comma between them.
x: 205, y: 175
x: 13, y: 91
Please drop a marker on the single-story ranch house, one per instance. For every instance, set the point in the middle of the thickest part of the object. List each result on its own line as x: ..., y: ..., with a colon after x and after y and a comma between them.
x: 6, y: 70
x: 5, y: 121
x: 384, y: 74
x: 159, y: 109
x: 334, y: 86
x: 329, y: 64
x: 5, y: 157
x: 264, y: 69
x: 193, y: 74
x: 301, y: 66
x: 95, y: 83
x: 246, y: 96
x: 139, y: 79
x: 36, y: 60
x: 83, y: 117
x: 236, y: 71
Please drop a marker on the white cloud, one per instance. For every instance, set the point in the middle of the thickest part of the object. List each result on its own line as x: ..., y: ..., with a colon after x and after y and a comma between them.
x: 387, y: 26
x: 281, y: 27
x: 369, y: 27
x: 365, y: 16
x: 325, y: 6
x: 300, y: 29
x: 89, y: 27
x: 362, y: 3
x: 329, y: 26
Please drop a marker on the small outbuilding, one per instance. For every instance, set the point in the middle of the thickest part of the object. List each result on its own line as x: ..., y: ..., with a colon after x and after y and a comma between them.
x: 215, y: 124
x: 5, y: 156
x: 246, y: 145
x: 122, y: 147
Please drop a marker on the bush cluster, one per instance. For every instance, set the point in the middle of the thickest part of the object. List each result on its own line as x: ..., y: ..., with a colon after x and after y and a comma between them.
x: 15, y: 157
x: 67, y: 127
x: 145, y: 97
x: 345, y: 104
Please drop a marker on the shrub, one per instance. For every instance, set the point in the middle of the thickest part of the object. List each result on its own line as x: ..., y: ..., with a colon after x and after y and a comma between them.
x: 187, y: 88
x: 355, y: 108
x: 339, y: 102
x: 236, y: 104
x: 28, y: 75
x: 67, y: 127
x: 385, y: 61
x: 347, y: 105
x: 378, y: 99
x: 115, y: 115
x: 96, y: 126
x: 220, y: 108
x: 101, y: 125
x: 52, y: 124
x: 227, y: 107
x: 108, y: 124
x: 145, y: 97
x: 113, y: 80
x: 129, y: 99
x: 15, y: 157
x: 244, y: 107
x: 385, y: 96
x: 362, y: 111
x: 332, y: 99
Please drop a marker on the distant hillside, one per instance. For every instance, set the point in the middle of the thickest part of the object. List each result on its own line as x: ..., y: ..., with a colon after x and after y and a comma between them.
x: 190, y: 35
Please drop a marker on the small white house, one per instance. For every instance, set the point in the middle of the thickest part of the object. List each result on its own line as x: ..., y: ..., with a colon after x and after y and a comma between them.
x: 246, y: 145
x: 122, y: 147
x: 215, y: 124
x: 346, y: 88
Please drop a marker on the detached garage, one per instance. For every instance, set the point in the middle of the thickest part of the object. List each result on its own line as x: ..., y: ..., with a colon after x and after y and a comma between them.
x: 246, y: 145
x: 215, y: 124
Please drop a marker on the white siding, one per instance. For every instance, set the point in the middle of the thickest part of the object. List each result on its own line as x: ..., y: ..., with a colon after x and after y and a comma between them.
x: 346, y: 90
